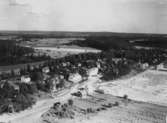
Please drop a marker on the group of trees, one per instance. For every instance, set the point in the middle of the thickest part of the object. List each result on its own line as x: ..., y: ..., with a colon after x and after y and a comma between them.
x: 104, y: 43
x: 63, y: 110
x: 19, y: 99
x: 151, y: 56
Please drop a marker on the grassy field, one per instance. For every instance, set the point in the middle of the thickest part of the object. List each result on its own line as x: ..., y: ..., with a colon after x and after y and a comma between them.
x: 149, y: 86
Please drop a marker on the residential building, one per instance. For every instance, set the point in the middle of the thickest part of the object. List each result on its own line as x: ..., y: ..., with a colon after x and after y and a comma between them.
x: 25, y: 79
x: 75, y: 78
x: 46, y: 70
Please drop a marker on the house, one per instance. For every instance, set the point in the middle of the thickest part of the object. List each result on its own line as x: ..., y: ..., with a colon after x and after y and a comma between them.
x: 25, y: 79
x: 116, y: 60
x: 162, y: 67
x: 98, y: 65
x: 64, y: 64
x: 67, y: 84
x: 75, y: 78
x: 165, y: 64
x: 55, y: 79
x: 10, y: 108
x: 46, y: 70
x: 54, y: 89
x: 144, y: 65
x: 79, y: 65
x: 17, y: 71
x: 61, y: 77
x: 45, y: 76
x: 93, y: 71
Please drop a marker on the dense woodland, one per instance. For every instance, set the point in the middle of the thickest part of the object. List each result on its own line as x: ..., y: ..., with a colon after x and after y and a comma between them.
x: 158, y: 42
x: 104, y: 43
x: 122, y: 42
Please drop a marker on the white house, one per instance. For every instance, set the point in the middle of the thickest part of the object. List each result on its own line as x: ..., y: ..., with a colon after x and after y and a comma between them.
x: 144, y: 65
x: 98, y: 65
x: 61, y: 77
x: 93, y: 71
x: 25, y: 79
x: 162, y: 67
x: 46, y: 70
x: 79, y: 65
x: 64, y: 64
x: 53, y: 86
x: 75, y: 78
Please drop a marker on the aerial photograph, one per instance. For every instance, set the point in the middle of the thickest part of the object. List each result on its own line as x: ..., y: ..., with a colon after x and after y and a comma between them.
x: 83, y: 61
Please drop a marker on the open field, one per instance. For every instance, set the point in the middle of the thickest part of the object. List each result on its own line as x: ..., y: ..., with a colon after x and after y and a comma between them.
x: 47, y: 42
x: 149, y: 86
x: 61, y: 51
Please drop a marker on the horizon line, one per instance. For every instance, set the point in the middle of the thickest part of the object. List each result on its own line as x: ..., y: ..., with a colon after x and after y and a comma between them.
x: 63, y: 31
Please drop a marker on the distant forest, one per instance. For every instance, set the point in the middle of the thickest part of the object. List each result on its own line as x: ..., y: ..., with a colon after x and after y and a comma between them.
x: 157, y: 42
x: 104, y: 43
x: 11, y: 53
x: 116, y: 42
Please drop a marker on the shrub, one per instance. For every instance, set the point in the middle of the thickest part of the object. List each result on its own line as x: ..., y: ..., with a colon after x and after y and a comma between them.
x: 125, y: 96
x: 70, y: 102
x: 116, y: 104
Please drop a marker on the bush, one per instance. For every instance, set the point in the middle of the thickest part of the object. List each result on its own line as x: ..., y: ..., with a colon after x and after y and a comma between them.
x: 90, y: 110
x: 70, y: 102
x: 116, y: 104
x: 125, y: 96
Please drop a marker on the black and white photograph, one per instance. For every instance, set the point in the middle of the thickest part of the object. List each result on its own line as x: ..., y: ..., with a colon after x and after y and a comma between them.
x: 83, y: 61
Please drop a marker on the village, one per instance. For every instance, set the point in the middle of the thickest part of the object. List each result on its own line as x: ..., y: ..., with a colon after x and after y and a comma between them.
x: 21, y: 88
x: 72, y: 80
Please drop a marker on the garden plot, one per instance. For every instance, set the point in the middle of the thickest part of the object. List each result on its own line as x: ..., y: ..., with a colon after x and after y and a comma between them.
x: 126, y: 111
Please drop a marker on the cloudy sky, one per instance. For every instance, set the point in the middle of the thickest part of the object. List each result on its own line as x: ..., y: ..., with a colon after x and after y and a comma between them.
x: 145, y: 16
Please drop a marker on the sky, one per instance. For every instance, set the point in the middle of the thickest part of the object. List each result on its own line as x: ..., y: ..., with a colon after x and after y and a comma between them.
x: 137, y: 16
